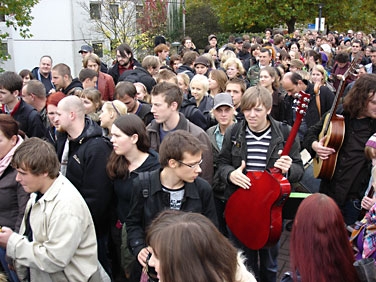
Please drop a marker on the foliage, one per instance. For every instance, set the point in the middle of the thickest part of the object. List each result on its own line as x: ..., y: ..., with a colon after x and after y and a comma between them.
x: 237, y: 15
x: 201, y: 21
x: 17, y: 16
x: 154, y: 17
x: 116, y: 23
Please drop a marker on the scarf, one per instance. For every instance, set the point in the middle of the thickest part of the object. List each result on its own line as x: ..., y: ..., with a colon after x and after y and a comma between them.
x: 4, y: 162
x: 369, y: 242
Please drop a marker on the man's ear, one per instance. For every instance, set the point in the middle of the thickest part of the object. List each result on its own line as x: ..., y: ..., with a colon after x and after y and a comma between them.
x: 16, y: 93
x: 174, y: 106
x: 172, y: 163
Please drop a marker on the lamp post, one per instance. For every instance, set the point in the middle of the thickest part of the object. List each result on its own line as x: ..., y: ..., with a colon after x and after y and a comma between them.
x: 320, y: 10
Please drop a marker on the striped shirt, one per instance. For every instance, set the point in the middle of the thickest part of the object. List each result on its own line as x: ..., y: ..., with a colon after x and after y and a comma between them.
x: 257, y: 147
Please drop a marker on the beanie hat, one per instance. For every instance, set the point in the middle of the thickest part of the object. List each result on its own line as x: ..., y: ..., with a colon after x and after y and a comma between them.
x: 55, y: 98
x: 372, y: 141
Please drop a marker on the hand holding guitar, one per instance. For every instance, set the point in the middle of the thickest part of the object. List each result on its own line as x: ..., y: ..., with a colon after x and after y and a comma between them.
x: 283, y: 163
x: 238, y: 178
x: 322, y: 151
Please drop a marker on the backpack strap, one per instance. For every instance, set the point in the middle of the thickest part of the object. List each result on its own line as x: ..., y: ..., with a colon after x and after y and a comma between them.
x: 145, y: 183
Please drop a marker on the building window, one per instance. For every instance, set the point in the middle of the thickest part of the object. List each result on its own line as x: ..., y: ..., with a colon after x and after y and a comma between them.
x: 98, y: 49
x: 114, y: 11
x: 95, y: 11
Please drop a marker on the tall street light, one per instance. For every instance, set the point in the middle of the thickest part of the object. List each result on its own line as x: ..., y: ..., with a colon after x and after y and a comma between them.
x: 320, y: 10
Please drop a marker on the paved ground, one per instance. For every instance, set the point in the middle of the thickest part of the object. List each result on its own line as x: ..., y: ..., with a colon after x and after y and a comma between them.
x: 284, y: 254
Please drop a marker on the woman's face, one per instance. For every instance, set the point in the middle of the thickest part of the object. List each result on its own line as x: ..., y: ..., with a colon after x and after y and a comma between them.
x: 182, y: 85
x: 197, y: 90
x: 232, y: 71
x: 317, y: 76
x: 256, y: 52
x: 294, y: 48
x: 213, y: 84
x: 26, y: 79
x: 51, y: 112
x: 90, y: 107
x: 140, y: 92
x: 6, y: 144
x: 292, y: 55
x: 122, y: 143
x: 176, y: 64
x: 107, y: 117
x: 266, y: 79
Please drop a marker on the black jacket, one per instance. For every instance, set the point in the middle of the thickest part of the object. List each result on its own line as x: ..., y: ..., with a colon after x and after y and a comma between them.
x: 114, y: 70
x: 73, y: 86
x: 86, y: 169
x: 189, y: 109
x: 47, y: 81
x: 29, y: 120
x: 139, y: 74
x: 198, y: 197
x: 187, y: 70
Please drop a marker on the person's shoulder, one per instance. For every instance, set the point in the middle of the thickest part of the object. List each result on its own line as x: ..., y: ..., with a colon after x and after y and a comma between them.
x: 202, y: 184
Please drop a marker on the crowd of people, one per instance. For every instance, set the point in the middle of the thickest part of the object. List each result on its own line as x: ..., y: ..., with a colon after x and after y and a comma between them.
x: 180, y: 132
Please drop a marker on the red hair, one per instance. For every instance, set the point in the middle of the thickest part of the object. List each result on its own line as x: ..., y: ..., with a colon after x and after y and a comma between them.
x: 319, y: 246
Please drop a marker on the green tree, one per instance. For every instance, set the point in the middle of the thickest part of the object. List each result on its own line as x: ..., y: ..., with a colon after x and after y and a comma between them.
x: 237, y: 15
x: 16, y: 14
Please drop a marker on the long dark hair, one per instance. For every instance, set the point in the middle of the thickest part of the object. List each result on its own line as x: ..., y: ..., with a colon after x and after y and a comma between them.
x: 117, y: 165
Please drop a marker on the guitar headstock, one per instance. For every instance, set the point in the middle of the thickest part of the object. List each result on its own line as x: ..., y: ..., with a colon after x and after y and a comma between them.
x: 301, y: 101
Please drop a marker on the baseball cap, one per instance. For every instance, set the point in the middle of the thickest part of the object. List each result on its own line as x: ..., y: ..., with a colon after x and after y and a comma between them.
x: 223, y: 99
x: 202, y: 61
x: 86, y: 49
x: 211, y: 36
x: 238, y: 40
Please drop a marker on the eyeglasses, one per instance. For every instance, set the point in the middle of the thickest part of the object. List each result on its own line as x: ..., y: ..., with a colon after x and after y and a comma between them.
x: 153, y: 275
x: 192, y: 166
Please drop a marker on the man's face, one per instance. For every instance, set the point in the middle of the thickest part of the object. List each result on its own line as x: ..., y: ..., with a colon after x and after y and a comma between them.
x: 30, y: 182
x: 355, y: 47
x: 239, y: 45
x: 224, y: 115
x: 373, y: 58
x: 6, y: 97
x: 291, y: 88
x: 256, y: 117
x: 188, y: 169
x: 58, y: 80
x: 27, y: 97
x: 130, y: 102
x: 160, y: 109
x: 201, y: 69
x: 93, y: 65
x: 236, y: 93
x: 163, y: 55
x: 90, y: 83
x: 318, y: 41
x: 213, y: 42
x: 264, y: 59
x: 45, y: 66
x: 123, y: 61
x: 84, y: 53
x: 62, y: 119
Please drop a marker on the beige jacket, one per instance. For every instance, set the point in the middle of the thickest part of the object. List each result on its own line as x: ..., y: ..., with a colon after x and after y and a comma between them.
x: 64, y: 244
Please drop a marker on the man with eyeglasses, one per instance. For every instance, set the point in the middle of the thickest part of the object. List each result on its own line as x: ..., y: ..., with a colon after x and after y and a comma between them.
x: 124, y: 61
x: 177, y: 186
x: 356, y: 50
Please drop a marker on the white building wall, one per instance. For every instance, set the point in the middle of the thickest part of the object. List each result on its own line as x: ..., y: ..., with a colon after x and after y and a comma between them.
x: 59, y: 28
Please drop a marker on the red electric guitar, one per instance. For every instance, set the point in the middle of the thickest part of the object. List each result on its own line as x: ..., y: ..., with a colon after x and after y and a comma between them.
x: 254, y: 215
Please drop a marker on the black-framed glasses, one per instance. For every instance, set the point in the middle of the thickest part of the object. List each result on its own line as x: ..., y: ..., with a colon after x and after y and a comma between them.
x: 192, y: 166
x: 152, y: 274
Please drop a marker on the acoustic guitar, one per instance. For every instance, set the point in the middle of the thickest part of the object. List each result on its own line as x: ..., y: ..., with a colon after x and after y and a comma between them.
x: 254, y: 215
x: 334, y: 130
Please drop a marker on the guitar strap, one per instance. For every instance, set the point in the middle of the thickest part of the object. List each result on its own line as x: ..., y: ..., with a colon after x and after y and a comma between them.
x: 318, y: 103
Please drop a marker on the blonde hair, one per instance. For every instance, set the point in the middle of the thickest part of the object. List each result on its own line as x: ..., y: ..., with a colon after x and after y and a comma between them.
x: 117, y: 107
x: 227, y: 54
x: 234, y: 61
